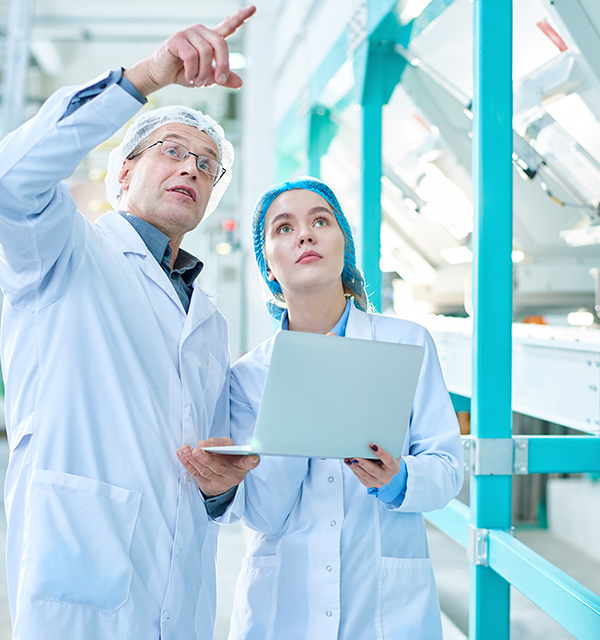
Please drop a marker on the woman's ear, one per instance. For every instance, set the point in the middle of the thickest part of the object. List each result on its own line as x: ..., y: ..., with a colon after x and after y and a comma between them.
x: 270, y: 276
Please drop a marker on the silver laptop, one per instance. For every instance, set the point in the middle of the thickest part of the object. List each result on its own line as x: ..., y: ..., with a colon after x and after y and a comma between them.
x: 330, y: 397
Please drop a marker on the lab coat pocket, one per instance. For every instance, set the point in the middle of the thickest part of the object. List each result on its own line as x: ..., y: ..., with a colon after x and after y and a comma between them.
x: 409, y: 599
x: 254, y: 597
x: 79, y: 541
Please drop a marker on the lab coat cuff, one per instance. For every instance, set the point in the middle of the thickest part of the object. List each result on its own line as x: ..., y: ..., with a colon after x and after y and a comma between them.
x: 217, y: 505
x: 395, y: 490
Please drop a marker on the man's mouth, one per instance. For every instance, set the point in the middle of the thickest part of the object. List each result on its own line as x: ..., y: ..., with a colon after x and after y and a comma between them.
x: 187, y: 191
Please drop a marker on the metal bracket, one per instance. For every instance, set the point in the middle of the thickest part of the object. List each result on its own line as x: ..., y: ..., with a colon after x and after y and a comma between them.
x: 477, y: 545
x: 521, y: 456
x: 496, y: 456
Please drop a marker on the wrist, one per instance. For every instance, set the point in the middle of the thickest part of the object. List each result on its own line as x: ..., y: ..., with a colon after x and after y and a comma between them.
x: 140, y: 79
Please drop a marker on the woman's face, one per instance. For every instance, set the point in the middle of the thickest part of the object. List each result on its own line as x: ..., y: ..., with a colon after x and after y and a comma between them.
x: 304, y: 245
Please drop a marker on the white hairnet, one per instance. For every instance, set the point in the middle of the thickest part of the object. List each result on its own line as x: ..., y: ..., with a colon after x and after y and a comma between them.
x: 148, y: 122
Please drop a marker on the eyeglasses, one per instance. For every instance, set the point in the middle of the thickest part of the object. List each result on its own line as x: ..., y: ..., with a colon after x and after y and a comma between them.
x: 178, y: 152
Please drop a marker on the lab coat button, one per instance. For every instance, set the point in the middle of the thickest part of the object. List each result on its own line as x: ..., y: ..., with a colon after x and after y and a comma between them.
x: 178, y: 547
x: 330, y: 478
x: 187, y: 478
x: 108, y: 101
x: 328, y: 567
x: 165, y: 616
x: 333, y: 523
x: 328, y: 614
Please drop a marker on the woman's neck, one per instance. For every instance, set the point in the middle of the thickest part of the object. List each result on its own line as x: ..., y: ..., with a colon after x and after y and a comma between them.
x: 316, y: 312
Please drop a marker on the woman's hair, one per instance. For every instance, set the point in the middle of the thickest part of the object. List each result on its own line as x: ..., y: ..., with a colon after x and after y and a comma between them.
x: 353, y: 280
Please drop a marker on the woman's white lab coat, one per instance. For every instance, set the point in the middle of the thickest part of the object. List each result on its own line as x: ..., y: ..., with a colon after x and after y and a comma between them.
x: 107, y: 376
x: 325, y: 559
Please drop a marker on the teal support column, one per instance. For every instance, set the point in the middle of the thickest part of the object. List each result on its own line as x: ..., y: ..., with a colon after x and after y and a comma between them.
x: 371, y: 196
x: 322, y: 130
x: 489, y: 611
x: 378, y: 69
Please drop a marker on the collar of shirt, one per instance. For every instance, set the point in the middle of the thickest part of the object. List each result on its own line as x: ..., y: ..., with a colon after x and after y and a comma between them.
x: 186, y: 265
x: 339, y: 329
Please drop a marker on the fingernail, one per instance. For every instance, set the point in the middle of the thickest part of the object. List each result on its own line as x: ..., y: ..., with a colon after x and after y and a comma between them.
x: 374, y: 447
x: 348, y: 462
x: 355, y: 461
x: 222, y: 78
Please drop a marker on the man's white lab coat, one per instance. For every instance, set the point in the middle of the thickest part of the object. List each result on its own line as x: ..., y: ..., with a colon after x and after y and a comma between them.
x: 106, y: 376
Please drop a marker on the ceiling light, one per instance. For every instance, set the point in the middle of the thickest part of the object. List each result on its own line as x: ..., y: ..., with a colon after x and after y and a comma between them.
x: 582, y: 236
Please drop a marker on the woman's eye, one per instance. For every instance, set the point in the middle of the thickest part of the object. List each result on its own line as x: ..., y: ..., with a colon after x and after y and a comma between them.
x: 321, y: 222
x: 284, y: 228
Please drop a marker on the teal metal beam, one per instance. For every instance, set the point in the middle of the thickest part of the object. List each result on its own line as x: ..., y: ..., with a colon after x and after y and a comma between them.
x: 571, y: 604
x: 453, y: 520
x: 322, y: 130
x: 370, y: 245
x: 489, y: 611
x: 378, y: 69
x: 563, y: 454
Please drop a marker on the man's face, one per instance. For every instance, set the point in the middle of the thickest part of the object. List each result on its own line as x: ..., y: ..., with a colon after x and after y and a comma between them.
x: 169, y: 194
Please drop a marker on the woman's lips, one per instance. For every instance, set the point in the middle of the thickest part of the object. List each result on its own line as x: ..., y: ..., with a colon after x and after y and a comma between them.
x: 308, y: 256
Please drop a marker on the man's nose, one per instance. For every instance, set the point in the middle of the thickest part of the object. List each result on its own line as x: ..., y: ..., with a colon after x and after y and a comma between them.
x: 189, y: 167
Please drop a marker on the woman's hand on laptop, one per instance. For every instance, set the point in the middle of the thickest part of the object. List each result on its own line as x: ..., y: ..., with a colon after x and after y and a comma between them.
x: 215, y: 474
x: 375, y: 473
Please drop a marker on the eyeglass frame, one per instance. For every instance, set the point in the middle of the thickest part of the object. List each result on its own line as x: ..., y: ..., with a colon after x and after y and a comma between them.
x: 189, y: 153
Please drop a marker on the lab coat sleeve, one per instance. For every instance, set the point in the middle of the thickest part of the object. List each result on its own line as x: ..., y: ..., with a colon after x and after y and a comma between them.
x: 435, y: 460
x: 39, y: 228
x: 272, y: 489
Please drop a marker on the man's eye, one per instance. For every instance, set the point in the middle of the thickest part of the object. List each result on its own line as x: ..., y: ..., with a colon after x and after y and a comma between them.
x: 173, y: 153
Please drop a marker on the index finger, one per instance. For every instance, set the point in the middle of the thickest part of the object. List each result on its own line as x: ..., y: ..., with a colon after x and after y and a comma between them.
x: 233, y: 23
x: 386, y: 458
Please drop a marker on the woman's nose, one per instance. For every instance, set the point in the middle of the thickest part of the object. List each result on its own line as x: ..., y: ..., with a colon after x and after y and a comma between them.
x: 306, y: 238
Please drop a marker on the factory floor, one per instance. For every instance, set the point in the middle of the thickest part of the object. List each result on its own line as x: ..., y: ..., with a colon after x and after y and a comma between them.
x: 450, y: 566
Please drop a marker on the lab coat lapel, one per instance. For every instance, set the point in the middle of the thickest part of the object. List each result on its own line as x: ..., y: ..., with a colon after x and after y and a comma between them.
x: 201, y: 308
x: 127, y: 240
x: 268, y: 349
x: 359, y: 325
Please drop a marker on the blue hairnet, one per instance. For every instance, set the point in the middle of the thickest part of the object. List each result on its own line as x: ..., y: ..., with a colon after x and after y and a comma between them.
x: 352, y: 277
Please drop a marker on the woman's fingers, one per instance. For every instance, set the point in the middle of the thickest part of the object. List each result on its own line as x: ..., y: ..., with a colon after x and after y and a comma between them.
x: 375, y: 473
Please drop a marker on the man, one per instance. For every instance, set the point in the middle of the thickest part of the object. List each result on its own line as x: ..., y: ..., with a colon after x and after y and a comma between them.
x: 114, y: 359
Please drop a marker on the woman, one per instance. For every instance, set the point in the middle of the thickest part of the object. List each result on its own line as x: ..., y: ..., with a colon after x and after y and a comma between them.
x: 337, y: 549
